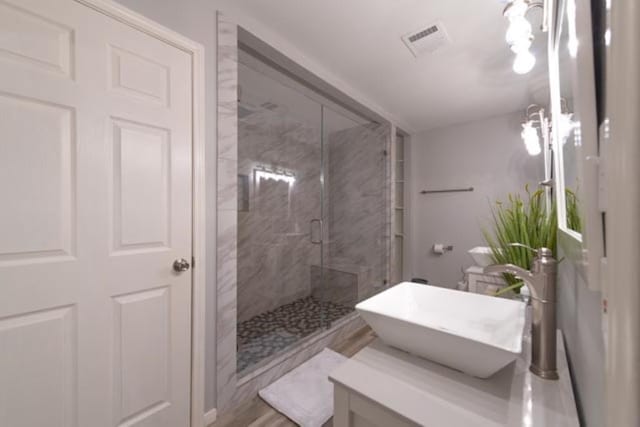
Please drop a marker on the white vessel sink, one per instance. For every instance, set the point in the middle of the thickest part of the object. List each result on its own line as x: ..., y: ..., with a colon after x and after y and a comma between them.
x: 473, y: 333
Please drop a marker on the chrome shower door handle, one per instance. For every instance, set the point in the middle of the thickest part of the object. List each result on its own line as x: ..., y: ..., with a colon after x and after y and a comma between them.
x: 319, y: 221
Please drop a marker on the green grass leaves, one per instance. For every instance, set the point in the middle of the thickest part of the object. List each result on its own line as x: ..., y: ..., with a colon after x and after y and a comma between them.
x: 521, y: 220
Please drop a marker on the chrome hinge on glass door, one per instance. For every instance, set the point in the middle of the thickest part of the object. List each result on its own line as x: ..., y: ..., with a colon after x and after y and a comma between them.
x: 319, y: 221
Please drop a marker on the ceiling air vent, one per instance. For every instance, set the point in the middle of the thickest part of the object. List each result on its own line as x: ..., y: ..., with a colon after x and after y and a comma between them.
x: 427, y: 39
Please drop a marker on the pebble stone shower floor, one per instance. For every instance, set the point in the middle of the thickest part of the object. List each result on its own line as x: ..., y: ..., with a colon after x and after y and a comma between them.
x: 271, y: 332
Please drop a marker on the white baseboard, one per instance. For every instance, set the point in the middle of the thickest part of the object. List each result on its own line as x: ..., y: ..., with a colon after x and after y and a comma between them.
x: 210, y: 417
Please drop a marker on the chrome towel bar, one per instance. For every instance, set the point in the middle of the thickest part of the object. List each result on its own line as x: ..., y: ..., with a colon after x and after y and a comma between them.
x: 451, y: 190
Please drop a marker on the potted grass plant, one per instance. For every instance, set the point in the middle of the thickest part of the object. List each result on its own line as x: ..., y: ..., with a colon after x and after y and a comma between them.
x: 574, y: 221
x: 521, y: 219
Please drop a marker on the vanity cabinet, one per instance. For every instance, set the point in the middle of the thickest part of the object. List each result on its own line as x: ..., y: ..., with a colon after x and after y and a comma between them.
x: 384, y: 387
x: 351, y: 409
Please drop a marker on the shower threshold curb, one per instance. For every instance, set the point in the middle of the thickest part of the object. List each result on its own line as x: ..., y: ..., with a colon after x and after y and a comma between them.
x: 306, y: 343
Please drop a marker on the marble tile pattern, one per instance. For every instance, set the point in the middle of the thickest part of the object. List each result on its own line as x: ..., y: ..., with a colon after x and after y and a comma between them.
x: 291, y: 359
x: 275, y: 252
x: 336, y: 284
x: 271, y: 332
x: 274, y: 249
x: 276, y: 243
x: 226, y: 255
x: 277, y: 262
x: 357, y: 207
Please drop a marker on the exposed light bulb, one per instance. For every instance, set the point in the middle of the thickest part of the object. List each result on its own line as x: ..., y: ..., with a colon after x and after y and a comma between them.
x: 530, y: 137
x: 518, y: 31
x: 516, y: 8
x: 566, y: 126
x: 274, y: 175
x: 521, y: 45
x: 524, y: 62
x: 572, y: 44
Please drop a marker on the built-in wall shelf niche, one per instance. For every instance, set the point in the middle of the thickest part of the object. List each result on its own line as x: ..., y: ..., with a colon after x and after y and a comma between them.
x: 399, y: 217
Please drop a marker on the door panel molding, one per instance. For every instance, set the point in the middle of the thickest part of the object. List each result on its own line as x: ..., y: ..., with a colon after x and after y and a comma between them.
x: 55, y: 144
x: 57, y: 60
x: 53, y: 329
x: 49, y: 48
x: 196, y: 51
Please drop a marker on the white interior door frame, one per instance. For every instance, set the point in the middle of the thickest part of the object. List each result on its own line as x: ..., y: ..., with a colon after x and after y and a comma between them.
x: 141, y: 23
x: 623, y: 208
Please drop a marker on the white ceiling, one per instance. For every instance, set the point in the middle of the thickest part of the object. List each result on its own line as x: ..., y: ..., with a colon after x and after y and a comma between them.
x: 359, y: 42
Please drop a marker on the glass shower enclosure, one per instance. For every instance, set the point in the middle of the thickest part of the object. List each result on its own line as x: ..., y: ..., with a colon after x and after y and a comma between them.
x: 312, y: 213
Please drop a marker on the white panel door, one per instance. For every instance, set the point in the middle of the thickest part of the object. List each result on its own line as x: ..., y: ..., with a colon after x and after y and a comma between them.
x: 95, y: 183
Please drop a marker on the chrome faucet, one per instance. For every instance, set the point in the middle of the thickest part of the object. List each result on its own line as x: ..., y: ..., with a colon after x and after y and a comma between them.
x: 541, y: 281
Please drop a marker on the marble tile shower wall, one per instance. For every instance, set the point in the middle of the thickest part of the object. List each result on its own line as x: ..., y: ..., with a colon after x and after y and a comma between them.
x: 277, y: 263
x: 274, y: 249
x: 229, y: 389
x: 357, y: 190
x: 226, y: 253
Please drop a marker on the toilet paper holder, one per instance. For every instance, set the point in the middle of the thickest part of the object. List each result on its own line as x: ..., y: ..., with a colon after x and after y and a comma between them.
x: 439, y: 248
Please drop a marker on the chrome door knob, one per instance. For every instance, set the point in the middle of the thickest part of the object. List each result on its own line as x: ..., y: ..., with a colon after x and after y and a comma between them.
x: 180, y: 265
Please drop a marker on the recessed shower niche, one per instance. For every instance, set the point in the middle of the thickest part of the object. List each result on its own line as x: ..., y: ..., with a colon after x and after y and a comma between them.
x: 313, y: 228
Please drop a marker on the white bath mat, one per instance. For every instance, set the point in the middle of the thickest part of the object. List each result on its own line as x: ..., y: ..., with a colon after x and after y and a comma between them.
x: 305, y: 394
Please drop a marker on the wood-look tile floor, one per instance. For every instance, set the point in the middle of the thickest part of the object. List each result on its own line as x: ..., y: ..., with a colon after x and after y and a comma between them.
x: 256, y: 413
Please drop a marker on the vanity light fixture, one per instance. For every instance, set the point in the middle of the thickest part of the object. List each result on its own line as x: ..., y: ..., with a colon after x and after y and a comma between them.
x: 519, y: 30
x: 567, y: 125
x: 262, y: 173
x: 572, y: 44
x: 520, y: 34
x: 530, y: 137
x: 524, y: 62
x: 535, y: 119
x: 607, y: 32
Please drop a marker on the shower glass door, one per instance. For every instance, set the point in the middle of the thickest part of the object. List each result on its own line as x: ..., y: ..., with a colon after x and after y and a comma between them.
x: 280, y: 227
x: 311, y: 213
x: 355, y: 211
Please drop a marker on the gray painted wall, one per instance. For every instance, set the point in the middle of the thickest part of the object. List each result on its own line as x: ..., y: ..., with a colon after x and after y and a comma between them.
x: 488, y: 155
x: 275, y: 253
x: 579, y: 317
x: 357, y: 241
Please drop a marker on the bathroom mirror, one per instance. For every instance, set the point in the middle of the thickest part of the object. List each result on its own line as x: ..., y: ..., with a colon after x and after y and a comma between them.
x: 574, y: 135
x: 566, y: 120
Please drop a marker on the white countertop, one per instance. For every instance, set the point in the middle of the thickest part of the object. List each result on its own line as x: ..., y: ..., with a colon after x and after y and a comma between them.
x: 429, y: 394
